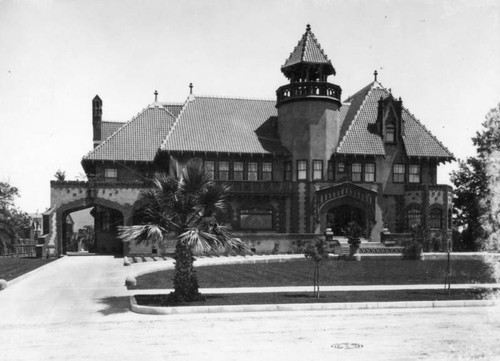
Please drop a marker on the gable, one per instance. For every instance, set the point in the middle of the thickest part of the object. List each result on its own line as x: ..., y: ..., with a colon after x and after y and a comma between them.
x: 137, y: 140
x: 360, y: 136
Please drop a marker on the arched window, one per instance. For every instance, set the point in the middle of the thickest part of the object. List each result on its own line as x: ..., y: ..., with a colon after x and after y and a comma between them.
x: 414, y: 217
x: 436, y: 218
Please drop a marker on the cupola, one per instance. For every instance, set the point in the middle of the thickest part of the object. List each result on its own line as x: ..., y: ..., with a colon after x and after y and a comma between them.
x: 308, y: 68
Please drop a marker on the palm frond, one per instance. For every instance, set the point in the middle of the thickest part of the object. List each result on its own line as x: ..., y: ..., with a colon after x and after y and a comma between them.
x: 211, y: 238
x: 147, y: 233
x: 213, y: 199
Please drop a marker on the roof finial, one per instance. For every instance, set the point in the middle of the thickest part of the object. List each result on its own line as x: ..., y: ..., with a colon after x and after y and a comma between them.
x: 375, y: 73
x: 308, y: 28
x: 156, y: 96
x: 190, y: 88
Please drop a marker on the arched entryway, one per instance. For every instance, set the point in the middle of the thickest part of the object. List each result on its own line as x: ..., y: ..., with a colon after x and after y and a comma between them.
x: 105, y: 228
x: 107, y: 217
x: 337, y: 218
x: 343, y: 203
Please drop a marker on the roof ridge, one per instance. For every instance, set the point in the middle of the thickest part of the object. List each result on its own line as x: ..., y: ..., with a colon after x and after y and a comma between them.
x: 113, y: 121
x: 427, y: 130
x: 105, y: 141
x: 233, y: 97
x: 159, y: 105
x: 168, y: 103
x: 304, y: 38
x: 355, y: 117
x: 176, y: 121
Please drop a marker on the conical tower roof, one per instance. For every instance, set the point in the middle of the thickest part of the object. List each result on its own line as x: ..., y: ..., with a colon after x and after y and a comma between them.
x: 308, y: 51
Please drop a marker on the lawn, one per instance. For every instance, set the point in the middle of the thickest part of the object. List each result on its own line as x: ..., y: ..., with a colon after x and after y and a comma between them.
x: 326, y: 297
x: 11, y: 268
x: 300, y: 273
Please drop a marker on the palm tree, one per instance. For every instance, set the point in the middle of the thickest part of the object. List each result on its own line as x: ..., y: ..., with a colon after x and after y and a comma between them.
x: 187, y: 204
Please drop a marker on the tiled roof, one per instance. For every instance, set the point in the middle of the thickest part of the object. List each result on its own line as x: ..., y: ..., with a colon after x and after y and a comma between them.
x: 108, y: 128
x: 358, y: 133
x: 138, y: 140
x: 174, y: 108
x: 226, y: 125
x: 307, y: 50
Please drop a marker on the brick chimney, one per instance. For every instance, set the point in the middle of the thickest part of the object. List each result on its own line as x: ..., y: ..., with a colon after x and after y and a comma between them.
x: 97, y: 119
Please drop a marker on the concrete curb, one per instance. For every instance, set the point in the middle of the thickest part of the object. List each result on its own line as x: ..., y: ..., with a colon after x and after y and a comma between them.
x: 12, y: 282
x: 148, y: 310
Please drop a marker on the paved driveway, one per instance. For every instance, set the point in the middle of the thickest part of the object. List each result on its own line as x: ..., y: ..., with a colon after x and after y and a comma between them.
x: 71, y: 289
x: 76, y: 309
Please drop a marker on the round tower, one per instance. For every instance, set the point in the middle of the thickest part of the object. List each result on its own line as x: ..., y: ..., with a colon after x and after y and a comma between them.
x: 308, y: 108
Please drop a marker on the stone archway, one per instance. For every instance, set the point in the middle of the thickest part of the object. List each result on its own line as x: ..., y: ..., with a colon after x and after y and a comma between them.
x: 108, y: 216
x: 346, y: 202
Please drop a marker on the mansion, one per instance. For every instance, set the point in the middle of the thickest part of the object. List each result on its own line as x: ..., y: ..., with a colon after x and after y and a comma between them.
x: 298, y: 165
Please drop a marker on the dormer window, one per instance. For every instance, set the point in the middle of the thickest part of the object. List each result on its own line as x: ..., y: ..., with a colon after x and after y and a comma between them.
x: 389, y: 119
x: 390, y: 133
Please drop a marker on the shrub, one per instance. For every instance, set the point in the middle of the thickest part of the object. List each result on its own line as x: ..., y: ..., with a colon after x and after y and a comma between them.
x: 412, y: 250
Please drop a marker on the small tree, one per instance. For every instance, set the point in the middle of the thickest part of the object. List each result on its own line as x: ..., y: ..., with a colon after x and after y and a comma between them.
x: 353, y: 232
x: 413, y: 249
x: 316, y: 252
x: 60, y: 175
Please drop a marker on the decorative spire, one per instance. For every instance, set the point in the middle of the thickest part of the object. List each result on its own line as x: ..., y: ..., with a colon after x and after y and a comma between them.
x: 375, y: 73
x: 156, y: 96
x: 308, y: 52
x: 190, y: 88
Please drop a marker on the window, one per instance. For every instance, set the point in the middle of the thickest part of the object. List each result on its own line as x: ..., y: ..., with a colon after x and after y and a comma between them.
x: 256, y: 218
x: 414, y: 173
x: 317, y: 169
x: 267, y: 171
x: 436, y: 218
x: 341, y: 167
x: 370, y: 172
x: 210, y: 168
x: 301, y: 169
x: 398, y: 173
x: 390, y: 133
x: 238, y: 171
x: 111, y: 173
x: 330, y: 170
x: 252, y: 171
x: 224, y: 171
x: 287, y: 176
x: 414, y: 217
x: 356, y: 172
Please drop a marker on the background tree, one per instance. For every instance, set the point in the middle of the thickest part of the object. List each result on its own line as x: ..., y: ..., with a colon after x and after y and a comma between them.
x: 475, y: 216
x: 317, y: 252
x: 188, y: 204
x: 86, y: 236
x: 13, y: 222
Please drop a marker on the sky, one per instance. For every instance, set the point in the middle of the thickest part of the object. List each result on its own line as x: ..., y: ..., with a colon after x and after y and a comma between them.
x: 441, y: 57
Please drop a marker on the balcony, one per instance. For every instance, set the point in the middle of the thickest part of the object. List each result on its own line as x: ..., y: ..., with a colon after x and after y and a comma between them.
x: 308, y: 90
x: 268, y: 188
